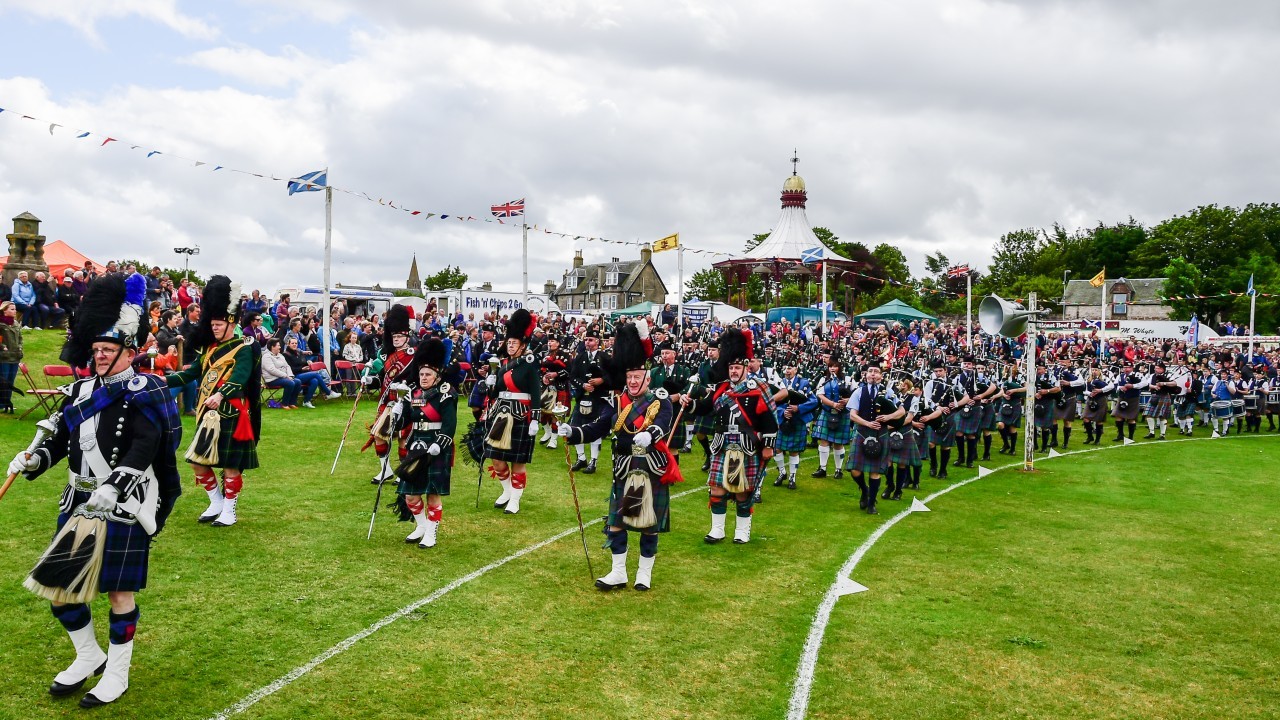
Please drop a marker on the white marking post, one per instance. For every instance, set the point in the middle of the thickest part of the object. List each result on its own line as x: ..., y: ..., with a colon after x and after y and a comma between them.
x: 845, y: 586
x: 917, y: 506
x: 983, y: 472
x: 1128, y: 441
x: 1054, y: 453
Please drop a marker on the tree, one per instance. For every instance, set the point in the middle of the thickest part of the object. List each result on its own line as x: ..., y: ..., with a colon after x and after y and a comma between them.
x: 447, y: 278
x: 706, y: 284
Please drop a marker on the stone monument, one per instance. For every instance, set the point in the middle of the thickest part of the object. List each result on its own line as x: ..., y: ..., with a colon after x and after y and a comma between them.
x: 26, y: 249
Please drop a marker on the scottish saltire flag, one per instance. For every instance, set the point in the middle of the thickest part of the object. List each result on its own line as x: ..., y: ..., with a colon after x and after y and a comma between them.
x: 1193, y: 332
x: 515, y: 208
x: 811, y: 256
x: 1251, y: 291
x: 828, y: 305
x: 311, y: 182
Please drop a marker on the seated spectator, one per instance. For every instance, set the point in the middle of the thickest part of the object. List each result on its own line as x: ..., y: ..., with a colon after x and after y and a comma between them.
x: 24, y: 298
x: 47, y: 301
x: 256, y: 303
x: 311, y: 380
x: 253, y: 328
x: 167, y: 336
x: 68, y: 299
x: 276, y: 373
x: 153, y: 315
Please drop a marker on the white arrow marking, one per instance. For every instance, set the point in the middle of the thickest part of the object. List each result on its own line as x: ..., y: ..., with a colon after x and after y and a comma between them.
x: 849, y: 587
x: 1128, y: 441
x: 983, y: 472
x: 1054, y: 453
x: 917, y: 506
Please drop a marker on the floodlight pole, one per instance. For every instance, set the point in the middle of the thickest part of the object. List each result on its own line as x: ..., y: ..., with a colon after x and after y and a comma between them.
x: 1029, y: 383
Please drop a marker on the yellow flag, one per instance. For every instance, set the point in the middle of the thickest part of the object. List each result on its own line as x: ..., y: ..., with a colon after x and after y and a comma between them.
x: 1100, y: 279
x: 670, y: 242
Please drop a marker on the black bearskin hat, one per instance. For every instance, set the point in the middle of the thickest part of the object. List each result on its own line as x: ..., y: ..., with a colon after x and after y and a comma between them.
x: 220, y: 301
x: 520, y: 325
x: 394, y: 322
x: 111, y: 310
x: 629, y: 353
x: 735, y: 349
x: 430, y: 353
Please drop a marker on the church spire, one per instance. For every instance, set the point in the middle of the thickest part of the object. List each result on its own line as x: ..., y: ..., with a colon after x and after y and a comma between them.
x: 414, y: 283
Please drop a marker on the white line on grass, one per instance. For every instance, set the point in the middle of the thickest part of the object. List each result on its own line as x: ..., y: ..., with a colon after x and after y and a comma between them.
x: 799, y: 704
x: 287, y: 679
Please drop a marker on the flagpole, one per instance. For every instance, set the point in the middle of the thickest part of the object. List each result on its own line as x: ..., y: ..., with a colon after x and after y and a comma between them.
x: 1102, y: 326
x: 824, y: 297
x: 968, y: 310
x: 1253, y: 305
x: 328, y: 262
x: 680, y: 289
x: 525, y: 225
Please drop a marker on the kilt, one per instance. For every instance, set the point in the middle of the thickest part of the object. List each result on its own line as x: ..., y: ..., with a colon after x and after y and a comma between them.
x: 705, y: 425
x: 968, y: 423
x: 661, y: 506
x: 942, y: 432
x: 428, y: 478
x: 583, y: 415
x: 1095, y: 416
x: 678, y: 438
x: 1068, y: 412
x: 1044, y: 410
x: 833, y: 426
x: 910, y: 452
x: 1013, y: 418
x: 921, y: 439
x: 792, y: 437
x: 234, y: 454
x: 859, y: 462
x: 988, y: 416
x: 1186, y: 407
x: 1126, y: 408
x: 1161, y: 406
x: 754, y: 465
x: 125, y: 556
x: 522, y: 443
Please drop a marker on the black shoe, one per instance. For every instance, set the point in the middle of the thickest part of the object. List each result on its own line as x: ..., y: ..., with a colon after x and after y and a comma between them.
x: 839, y: 474
x: 1148, y: 436
x: 711, y: 540
x: 578, y: 466
x: 1162, y: 436
x: 590, y: 469
x: 706, y: 465
x: 57, y: 689
x: 819, y: 473
x: 897, y: 495
x: 986, y: 457
x: 886, y: 495
x: 969, y: 464
x: 606, y: 587
x: 781, y: 479
x: 1118, y: 438
x: 871, y: 508
x: 89, y: 701
x: 942, y: 475
x: 791, y: 483
x: 862, y: 501
x: 933, y: 471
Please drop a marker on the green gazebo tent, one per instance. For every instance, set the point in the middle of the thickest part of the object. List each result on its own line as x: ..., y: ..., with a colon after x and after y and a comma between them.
x: 644, y: 308
x: 894, y: 311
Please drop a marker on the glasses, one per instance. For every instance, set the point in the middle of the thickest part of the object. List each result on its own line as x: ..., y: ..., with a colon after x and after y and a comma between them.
x: 107, y: 351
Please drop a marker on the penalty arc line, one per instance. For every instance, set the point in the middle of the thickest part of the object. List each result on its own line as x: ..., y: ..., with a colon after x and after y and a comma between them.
x: 798, y: 706
x: 287, y: 679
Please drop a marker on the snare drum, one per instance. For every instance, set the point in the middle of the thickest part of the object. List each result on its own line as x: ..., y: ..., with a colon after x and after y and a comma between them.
x: 1273, y: 397
x: 1237, y: 407
x: 1251, y: 403
x: 1221, y: 409
x: 1144, y: 403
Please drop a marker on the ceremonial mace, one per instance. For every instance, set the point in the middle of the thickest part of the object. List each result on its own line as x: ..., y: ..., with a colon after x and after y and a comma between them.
x: 561, y: 413
x: 347, y: 429
x: 44, y: 430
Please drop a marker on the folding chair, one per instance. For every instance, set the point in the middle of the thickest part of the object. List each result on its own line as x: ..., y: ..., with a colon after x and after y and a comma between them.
x: 46, y: 397
x: 348, y: 377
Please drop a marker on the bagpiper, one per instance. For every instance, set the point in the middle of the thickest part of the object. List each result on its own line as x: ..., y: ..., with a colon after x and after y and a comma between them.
x: 639, y: 422
x: 510, y: 425
x: 745, y: 429
x: 428, y: 413
x: 397, y: 355
x: 591, y: 390
x: 832, y: 429
x: 555, y: 389
x: 797, y: 406
x: 871, y: 408
x: 228, y: 368
x: 119, y: 432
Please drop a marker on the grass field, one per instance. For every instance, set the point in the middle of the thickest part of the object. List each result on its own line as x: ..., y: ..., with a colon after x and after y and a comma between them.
x: 1128, y: 582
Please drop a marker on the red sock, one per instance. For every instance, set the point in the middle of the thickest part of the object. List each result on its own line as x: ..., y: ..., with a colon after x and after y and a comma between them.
x: 435, y: 512
x: 231, y: 485
x: 517, y: 481
x: 208, y: 481
x: 415, y: 506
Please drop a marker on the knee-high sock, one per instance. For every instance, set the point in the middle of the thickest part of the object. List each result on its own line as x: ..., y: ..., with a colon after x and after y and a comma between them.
x: 780, y: 459
x: 719, y: 505
x: 648, y: 544
x: 123, y: 626
x: 915, y: 475
x: 933, y: 456
x: 1119, y: 429
x: 706, y: 446
x: 582, y: 451
x: 839, y: 453
x: 946, y: 459
x: 73, y: 617
x: 795, y: 464
x: 1132, y: 427
x: 986, y: 445
x: 824, y: 454
x: 595, y: 450
x: 972, y: 455
x: 1164, y: 424
x: 1151, y: 425
x: 1066, y: 435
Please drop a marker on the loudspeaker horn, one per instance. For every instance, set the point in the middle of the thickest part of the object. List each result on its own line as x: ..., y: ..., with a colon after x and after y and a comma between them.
x: 998, y: 316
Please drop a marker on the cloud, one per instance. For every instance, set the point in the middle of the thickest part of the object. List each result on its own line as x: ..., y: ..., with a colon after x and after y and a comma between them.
x: 85, y: 16
x: 255, y: 67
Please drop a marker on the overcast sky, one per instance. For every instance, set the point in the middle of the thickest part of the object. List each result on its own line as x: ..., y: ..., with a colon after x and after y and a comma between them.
x: 926, y: 124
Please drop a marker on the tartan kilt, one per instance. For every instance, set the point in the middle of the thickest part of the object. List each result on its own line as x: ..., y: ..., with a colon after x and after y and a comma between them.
x: 922, y: 443
x: 1186, y: 407
x: 942, y: 432
x: 705, y: 424
x: 833, y: 427
x: 1013, y: 418
x: 522, y: 443
x: 125, y: 556
x: 753, y: 464
x: 661, y: 506
x: 1095, y: 416
x: 678, y: 437
x: 910, y: 452
x: 988, y: 417
x: 1044, y: 411
x: 428, y: 478
x: 792, y: 437
x: 1127, y: 413
x: 579, y: 417
x: 1067, y: 412
x: 859, y: 462
x: 234, y: 454
x: 1161, y: 406
x: 968, y: 423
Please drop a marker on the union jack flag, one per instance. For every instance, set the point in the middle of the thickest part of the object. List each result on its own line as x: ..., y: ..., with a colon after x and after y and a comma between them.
x: 515, y: 208
x: 958, y: 271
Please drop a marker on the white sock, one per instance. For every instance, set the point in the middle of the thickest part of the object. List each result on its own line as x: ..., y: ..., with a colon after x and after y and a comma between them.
x: 1151, y: 425
x: 688, y: 433
x: 582, y: 451
x: 795, y: 464
x: 1164, y: 424
x: 781, y: 460
x: 595, y: 450
x: 824, y: 452
x: 839, y: 458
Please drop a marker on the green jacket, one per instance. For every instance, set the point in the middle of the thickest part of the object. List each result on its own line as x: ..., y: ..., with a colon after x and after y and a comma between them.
x: 10, y: 343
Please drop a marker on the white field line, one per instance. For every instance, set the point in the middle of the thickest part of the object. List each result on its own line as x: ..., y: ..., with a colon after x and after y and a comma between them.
x: 287, y: 679
x: 799, y: 705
